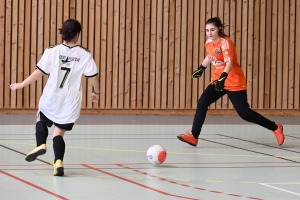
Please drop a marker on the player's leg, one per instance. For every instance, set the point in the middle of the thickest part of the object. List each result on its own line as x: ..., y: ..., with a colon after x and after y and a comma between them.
x: 41, y: 134
x: 208, y: 97
x: 240, y: 103
x: 59, y: 147
x: 59, y: 151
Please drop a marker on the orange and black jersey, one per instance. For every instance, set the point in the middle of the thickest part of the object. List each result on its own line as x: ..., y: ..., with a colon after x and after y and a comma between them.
x: 219, y: 54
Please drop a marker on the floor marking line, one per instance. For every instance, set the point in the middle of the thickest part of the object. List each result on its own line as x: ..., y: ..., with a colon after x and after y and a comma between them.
x: 23, y: 153
x: 185, y: 185
x: 258, y: 143
x: 33, y: 185
x: 133, y: 182
x: 277, y: 188
x: 251, y: 151
x: 176, y: 153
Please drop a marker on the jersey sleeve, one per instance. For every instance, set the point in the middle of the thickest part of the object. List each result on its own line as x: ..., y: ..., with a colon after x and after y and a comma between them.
x: 90, y: 69
x: 228, y: 50
x: 44, y: 64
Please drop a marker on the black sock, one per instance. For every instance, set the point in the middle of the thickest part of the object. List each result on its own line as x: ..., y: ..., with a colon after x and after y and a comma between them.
x: 59, y: 148
x: 41, y: 133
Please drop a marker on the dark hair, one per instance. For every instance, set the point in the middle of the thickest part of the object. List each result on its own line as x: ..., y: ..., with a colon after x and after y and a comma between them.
x: 69, y: 29
x: 216, y: 21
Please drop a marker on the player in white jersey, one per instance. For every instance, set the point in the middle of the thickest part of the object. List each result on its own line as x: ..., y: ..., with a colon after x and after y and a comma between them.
x: 60, y: 102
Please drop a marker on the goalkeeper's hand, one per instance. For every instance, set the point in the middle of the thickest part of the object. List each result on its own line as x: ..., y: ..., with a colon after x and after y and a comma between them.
x: 198, y: 72
x: 219, y: 84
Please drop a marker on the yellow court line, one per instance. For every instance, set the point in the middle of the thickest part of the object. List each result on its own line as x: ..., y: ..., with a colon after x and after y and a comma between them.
x: 213, y: 181
x: 15, y: 172
x: 75, y: 175
x: 246, y: 182
x: 144, y: 151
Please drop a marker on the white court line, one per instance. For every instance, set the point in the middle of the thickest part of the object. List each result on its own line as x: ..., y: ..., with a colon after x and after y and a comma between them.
x: 277, y: 188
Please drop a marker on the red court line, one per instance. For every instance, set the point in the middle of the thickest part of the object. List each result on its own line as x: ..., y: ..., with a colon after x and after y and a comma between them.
x: 185, y: 185
x: 144, y: 186
x: 28, y: 183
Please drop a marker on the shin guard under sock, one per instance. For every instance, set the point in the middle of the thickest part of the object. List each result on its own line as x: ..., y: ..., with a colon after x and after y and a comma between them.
x: 58, y: 147
x: 41, y: 133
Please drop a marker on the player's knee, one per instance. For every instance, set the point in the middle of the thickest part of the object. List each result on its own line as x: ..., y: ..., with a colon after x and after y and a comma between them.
x: 202, y: 103
x: 245, y: 114
x: 58, y: 132
x: 40, y: 127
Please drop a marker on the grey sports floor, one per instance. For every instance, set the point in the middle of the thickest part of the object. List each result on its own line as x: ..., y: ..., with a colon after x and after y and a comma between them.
x: 106, y: 159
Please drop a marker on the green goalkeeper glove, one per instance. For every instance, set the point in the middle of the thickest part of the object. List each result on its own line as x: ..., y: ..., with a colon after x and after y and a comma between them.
x: 198, y: 72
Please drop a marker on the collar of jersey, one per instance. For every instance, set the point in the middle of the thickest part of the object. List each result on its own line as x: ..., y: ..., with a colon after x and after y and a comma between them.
x: 69, y: 46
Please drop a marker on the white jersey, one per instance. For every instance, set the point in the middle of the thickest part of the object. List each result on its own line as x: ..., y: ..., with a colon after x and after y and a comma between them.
x: 62, y: 95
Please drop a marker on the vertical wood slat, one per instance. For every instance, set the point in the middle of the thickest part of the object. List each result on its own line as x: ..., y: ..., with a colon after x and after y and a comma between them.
x: 40, y: 49
x: 20, y: 58
x: 66, y: 9
x: 170, y: 74
x: 297, y: 60
x: 26, y: 49
x: 256, y: 52
x: 268, y: 31
x: 122, y: 39
x: 73, y: 8
x: 146, y: 60
x: 195, y: 65
x: 2, y: 50
x: 159, y: 46
x: 285, y: 68
x: 115, y: 55
x: 177, y: 52
x: 273, y: 55
x: 146, y: 50
x: 183, y: 64
x: 33, y: 50
x: 109, y: 64
x: 14, y: 50
x: 103, y: 57
x: 153, y: 53
x: 8, y: 16
x: 279, y: 63
x: 134, y: 50
x: 165, y: 53
x: 140, y: 56
x: 291, y: 55
x: 189, y: 51
x: 262, y: 54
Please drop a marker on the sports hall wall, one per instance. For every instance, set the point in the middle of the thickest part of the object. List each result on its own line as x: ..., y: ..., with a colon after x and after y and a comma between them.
x: 146, y: 51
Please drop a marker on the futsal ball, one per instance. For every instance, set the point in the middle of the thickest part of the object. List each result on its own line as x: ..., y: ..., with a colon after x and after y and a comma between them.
x: 156, y: 154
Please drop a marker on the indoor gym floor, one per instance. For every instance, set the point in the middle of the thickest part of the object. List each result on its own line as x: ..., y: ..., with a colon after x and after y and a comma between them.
x: 106, y: 159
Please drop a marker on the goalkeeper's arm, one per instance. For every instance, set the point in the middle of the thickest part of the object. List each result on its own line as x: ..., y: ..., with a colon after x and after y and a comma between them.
x: 197, y: 73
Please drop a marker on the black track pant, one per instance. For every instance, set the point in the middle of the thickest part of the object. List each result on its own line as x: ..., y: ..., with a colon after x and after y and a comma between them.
x: 240, y: 103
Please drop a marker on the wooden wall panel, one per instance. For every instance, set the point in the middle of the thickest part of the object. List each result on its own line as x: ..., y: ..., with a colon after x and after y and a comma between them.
x: 2, y: 52
x: 146, y: 51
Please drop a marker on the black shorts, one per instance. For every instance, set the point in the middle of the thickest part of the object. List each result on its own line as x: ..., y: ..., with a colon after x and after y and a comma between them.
x: 49, y: 123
